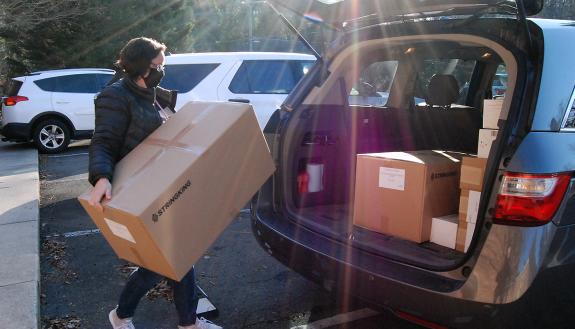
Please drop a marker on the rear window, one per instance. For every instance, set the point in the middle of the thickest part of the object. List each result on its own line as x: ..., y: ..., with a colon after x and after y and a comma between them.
x: 499, y: 83
x: 268, y: 76
x: 185, y: 77
x: 75, y: 83
x: 461, y: 69
x: 13, y: 87
x: 374, y: 84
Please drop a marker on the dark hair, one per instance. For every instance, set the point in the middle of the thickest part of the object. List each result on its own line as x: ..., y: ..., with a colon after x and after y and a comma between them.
x: 136, y: 56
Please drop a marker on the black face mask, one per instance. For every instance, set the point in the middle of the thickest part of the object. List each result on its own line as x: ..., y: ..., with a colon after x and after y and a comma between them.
x: 154, y: 77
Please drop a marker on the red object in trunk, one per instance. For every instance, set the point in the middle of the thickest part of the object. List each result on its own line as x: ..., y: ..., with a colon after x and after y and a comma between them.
x: 302, y: 182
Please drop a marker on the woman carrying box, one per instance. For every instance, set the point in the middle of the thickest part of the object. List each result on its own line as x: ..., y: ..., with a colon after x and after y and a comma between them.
x: 127, y: 111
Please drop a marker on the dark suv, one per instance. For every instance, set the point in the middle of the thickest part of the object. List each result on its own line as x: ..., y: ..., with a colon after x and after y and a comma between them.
x: 517, y: 271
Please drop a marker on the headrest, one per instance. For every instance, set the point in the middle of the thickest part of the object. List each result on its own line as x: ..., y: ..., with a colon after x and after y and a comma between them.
x: 443, y: 90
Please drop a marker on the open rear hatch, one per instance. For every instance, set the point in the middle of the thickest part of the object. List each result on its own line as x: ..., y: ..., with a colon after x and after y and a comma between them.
x: 338, y: 13
x: 327, y: 134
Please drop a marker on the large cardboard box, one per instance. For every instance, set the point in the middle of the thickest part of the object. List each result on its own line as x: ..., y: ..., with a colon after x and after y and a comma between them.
x: 444, y: 230
x: 472, y: 171
x: 179, y: 189
x: 486, y: 139
x: 492, y: 112
x: 398, y: 193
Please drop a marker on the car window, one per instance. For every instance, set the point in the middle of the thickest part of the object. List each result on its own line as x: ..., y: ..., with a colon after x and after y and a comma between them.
x: 462, y: 70
x: 75, y: 83
x: 103, y: 80
x: 301, y: 68
x: 570, y: 123
x: 570, y: 116
x: 372, y: 87
x: 13, y: 87
x: 499, y: 83
x: 185, y: 77
x: 269, y: 76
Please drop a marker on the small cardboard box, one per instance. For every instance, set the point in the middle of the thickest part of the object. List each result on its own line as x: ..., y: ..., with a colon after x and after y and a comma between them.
x: 444, y: 230
x: 398, y: 193
x: 472, y: 171
x: 492, y: 112
x: 178, y: 190
x: 465, y: 232
x: 469, y: 206
x: 486, y: 139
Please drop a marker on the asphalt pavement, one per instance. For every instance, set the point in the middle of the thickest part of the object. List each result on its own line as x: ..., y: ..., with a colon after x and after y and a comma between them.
x: 81, y: 277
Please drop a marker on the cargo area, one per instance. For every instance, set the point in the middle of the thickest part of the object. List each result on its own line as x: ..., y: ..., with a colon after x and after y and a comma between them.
x: 380, y: 160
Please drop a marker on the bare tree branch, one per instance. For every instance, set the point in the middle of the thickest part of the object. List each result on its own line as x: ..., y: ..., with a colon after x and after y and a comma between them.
x: 24, y: 15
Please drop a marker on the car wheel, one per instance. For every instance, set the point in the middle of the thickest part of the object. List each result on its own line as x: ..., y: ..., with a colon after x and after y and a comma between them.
x: 51, y: 136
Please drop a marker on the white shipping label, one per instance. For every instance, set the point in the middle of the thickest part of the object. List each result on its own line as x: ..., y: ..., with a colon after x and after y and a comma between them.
x: 392, y: 178
x: 120, y: 230
x: 473, y: 206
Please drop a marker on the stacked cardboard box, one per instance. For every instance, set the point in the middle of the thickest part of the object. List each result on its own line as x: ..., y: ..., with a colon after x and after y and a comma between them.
x: 491, y: 113
x: 471, y: 184
x: 398, y: 193
x: 472, y: 171
x: 444, y: 230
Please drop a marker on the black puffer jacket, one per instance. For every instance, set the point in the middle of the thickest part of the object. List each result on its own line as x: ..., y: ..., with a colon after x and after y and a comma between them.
x: 125, y: 116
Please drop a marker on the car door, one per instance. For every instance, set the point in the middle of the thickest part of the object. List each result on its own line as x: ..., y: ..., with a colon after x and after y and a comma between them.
x: 73, y: 96
x: 263, y: 83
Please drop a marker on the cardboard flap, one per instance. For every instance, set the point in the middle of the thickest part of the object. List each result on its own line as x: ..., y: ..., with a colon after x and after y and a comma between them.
x: 419, y: 157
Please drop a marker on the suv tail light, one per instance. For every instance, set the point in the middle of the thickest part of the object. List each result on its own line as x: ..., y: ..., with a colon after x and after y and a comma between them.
x: 13, y: 100
x: 530, y: 200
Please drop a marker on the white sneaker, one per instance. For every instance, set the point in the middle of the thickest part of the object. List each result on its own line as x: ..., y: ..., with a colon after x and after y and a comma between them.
x: 118, y: 323
x: 202, y: 323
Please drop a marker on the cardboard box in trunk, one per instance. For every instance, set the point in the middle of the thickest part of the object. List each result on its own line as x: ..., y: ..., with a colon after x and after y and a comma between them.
x: 486, y: 139
x: 469, y: 206
x: 444, y: 230
x: 468, y: 212
x: 178, y: 190
x: 491, y: 113
x: 465, y: 232
x: 472, y: 171
x: 398, y: 193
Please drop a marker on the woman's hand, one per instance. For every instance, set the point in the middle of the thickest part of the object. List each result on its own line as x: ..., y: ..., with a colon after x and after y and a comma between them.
x: 103, y: 188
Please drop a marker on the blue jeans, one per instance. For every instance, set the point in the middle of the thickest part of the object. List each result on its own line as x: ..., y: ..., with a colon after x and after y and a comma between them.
x: 142, y: 280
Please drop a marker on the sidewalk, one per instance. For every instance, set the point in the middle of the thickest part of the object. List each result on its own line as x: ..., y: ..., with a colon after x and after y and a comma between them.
x: 19, y: 236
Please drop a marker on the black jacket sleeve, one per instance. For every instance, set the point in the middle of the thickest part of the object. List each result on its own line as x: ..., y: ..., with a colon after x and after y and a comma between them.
x: 111, y: 123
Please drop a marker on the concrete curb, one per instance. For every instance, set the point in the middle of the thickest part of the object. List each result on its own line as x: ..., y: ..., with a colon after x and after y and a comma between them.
x: 19, y: 233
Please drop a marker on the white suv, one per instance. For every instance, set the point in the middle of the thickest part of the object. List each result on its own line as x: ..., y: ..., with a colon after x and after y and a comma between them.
x: 52, y: 107
x: 263, y: 79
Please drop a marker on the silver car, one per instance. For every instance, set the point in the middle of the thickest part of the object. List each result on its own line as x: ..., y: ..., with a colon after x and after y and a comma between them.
x: 517, y: 270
